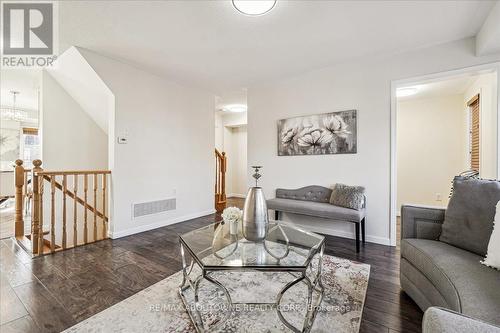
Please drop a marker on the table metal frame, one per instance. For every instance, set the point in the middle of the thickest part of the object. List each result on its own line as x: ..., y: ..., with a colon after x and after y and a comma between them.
x: 298, y: 272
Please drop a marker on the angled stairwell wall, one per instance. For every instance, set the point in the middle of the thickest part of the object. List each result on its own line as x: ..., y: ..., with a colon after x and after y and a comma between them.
x: 74, y: 119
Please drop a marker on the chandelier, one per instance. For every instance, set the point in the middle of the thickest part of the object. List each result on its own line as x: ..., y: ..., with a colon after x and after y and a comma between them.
x: 14, y: 113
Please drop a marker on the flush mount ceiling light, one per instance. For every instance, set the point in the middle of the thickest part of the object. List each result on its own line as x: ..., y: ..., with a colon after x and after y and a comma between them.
x: 254, y: 7
x: 408, y: 91
x: 235, y: 108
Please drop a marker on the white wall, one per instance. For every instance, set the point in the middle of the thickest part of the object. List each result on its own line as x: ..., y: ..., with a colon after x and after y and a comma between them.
x: 432, y: 148
x: 236, y: 139
x: 7, y: 181
x: 82, y: 83
x: 219, y: 132
x: 71, y: 140
x: 170, y: 146
x: 362, y: 84
x: 486, y: 87
x: 235, y: 119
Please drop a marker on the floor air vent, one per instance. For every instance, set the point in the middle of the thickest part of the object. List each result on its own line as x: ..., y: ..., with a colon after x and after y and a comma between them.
x: 152, y: 207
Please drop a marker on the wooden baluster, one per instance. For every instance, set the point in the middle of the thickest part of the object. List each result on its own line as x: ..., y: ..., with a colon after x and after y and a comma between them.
x: 75, y: 211
x: 19, y: 183
x: 65, y: 189
x: 218, y: 179
x: 35, y: 210
x: 105, y: 223
x: 40, y: 224
x: 85, y: 190
x: 95, y: 207
x: 26, y: 195
x: 25, y: 183
x: 223, y: 178
x: 215, y: 185
x: 52, y: 214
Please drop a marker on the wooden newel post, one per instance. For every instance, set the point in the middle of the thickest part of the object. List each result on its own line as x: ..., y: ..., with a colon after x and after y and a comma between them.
x: 35, y: 211
x: 19, y: 183
x: 223, y: 177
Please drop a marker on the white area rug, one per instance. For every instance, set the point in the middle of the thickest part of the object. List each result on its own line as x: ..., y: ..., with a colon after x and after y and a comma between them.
x: 159, y: 308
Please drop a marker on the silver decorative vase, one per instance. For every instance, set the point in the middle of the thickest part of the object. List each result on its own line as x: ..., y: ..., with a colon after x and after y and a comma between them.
x: 255, y: 221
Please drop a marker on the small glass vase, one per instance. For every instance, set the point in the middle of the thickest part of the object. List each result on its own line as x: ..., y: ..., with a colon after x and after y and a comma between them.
x: 233, y: 227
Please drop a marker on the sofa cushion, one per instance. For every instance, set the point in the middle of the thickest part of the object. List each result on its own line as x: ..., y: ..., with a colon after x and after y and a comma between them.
x: 493, y: 257
x: 348, y: 196
x: 468, y: 220
x: 317, y: 209
x: 465, y: 284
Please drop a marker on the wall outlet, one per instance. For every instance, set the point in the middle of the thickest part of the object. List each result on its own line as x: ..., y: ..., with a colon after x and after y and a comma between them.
x: 439, y: 197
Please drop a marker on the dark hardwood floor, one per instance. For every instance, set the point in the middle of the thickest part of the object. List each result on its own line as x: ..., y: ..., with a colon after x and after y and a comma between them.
x: 53, y: 292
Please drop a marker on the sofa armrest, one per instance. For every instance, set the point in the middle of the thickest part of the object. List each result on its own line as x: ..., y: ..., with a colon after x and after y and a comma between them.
x: 421, y: 222
x: 440, y: 320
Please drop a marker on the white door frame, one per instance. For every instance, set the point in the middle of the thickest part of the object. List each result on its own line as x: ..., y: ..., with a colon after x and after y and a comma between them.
x: 491, y: 67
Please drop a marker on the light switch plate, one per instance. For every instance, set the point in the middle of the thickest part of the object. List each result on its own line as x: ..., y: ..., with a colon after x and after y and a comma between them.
x: 122, y: 140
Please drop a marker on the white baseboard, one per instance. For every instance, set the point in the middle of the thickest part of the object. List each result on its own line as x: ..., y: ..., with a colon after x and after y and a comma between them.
x: 236, y: 195
x: 159, y: 224
x: 343, y: 234
x: 314, y: 228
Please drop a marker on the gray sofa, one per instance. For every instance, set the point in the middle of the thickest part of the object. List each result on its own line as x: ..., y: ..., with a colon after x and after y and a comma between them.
x: 434, y: 273
x: 315, y: 201
x: 440, y: 320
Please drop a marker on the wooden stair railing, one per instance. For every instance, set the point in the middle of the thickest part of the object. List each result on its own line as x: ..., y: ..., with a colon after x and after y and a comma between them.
x: 220, y: 180
x: 23, y: 196
x: 35, y: 241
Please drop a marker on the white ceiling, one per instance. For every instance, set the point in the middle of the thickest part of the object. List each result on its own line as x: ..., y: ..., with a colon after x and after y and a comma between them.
x: 452, y: 86
x: 229, y: 97
x: 211, y: 45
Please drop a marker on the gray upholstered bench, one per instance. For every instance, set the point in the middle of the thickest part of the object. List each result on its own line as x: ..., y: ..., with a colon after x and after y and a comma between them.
x: 315, y: 201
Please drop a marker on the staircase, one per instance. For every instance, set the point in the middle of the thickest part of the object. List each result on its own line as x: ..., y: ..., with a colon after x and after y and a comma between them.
x: 220, y: 180
x: 80, y: 221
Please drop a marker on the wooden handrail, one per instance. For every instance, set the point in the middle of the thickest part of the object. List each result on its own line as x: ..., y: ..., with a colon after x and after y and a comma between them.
x: 78, y: 199
x: 73, y: 172
x: 36, y: 242
x: 218, y: 153
x: 220, y: 180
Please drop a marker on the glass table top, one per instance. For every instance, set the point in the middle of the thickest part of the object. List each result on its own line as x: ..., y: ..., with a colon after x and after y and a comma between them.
x: 221, y: 246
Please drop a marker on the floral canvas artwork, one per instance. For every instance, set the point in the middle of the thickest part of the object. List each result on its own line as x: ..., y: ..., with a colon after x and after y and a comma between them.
x: 327, y: 133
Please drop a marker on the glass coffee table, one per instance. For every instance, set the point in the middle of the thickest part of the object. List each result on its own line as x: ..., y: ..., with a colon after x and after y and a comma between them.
x: 222, y: 247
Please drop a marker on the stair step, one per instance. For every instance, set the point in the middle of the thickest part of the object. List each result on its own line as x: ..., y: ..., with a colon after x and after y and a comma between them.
x: 25, y: 243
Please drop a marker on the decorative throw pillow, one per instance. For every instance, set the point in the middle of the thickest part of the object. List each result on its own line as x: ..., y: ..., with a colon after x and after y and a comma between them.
x: 493, y: 257
x: 468, y: 221
x: 348, y: 196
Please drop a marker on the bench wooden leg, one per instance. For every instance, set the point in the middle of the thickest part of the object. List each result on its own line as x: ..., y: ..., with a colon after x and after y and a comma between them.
x: 363, y: 230
x: 357, y: 237
x: 276, y: 215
